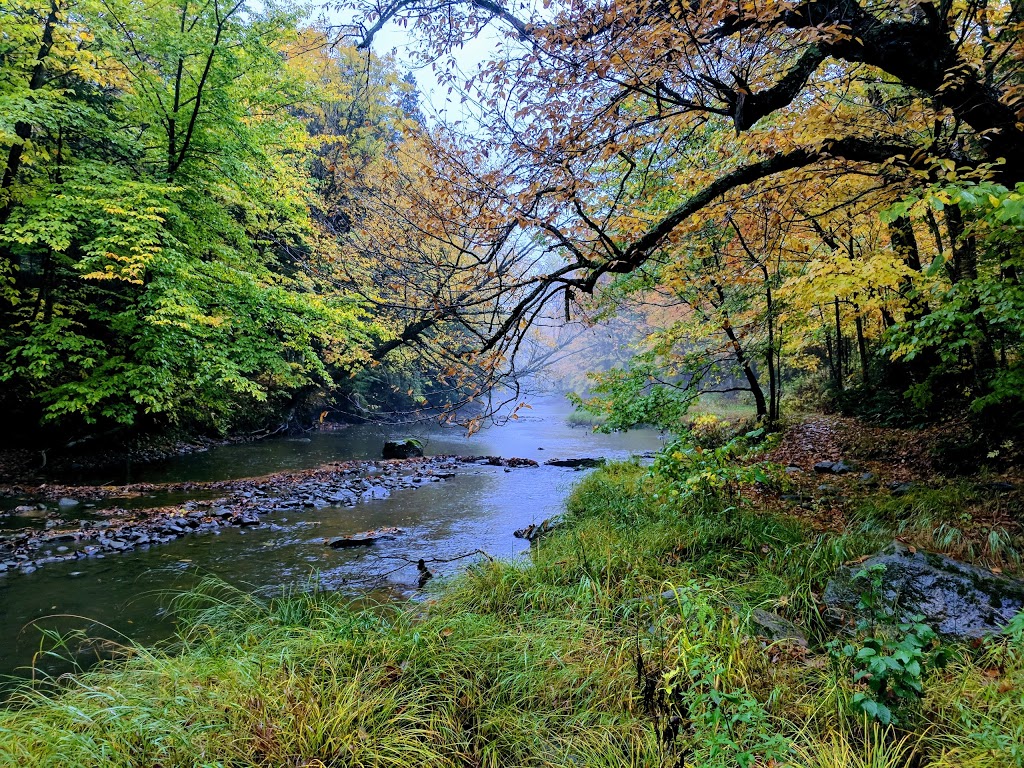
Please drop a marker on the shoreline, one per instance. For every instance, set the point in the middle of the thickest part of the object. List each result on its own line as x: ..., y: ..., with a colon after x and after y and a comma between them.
x: 89, y: 521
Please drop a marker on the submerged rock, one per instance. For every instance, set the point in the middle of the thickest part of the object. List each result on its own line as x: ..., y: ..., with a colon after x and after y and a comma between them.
x: 375, y: 492
x: 583, y: 463
x: 405, y: 448
x: 364, y: 539
x: 956, y: 599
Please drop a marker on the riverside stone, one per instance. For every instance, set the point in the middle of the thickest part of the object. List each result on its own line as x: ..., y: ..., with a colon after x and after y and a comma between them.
x: 955, y: 598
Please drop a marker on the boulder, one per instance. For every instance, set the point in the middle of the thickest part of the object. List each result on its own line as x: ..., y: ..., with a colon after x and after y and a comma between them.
x: 583, y: 463
x: 405, y: 448
x: 956, y: 599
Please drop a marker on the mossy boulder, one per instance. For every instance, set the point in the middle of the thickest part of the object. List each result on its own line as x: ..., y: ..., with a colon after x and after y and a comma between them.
x: 406, y: 448
x: 956, y: 599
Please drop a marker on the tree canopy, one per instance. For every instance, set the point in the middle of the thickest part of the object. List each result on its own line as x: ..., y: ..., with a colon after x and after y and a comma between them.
x: 829, y: 180
x: 217, y: 215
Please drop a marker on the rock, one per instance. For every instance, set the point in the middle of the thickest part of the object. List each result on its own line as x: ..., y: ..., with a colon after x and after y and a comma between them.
x: 375, y: 492
x: 833, y: 468
x: 519, y: 462
x: 424, y: 573
x: 901, y: 489
x: 405, y: 448
x: 365, y: 539
x: 776, y: 628
x: 533, y: 532
x: 583, y: 463
x: 23, y: 509
x: 869, y: 480
x: 66, y: 502
x: 792, y: 469
x: 956, y: 599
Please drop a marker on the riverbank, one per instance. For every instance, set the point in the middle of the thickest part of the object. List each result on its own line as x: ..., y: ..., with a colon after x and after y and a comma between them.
x: 82, y: 522
x: 27, y: 466
x: 655, y: 627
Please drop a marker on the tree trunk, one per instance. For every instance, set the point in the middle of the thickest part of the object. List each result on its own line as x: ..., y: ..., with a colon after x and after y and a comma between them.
x: 23, y: 130
x: 862, y: 347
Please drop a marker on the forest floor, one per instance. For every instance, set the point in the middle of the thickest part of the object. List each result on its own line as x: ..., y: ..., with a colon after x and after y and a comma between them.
x: 674, y: 618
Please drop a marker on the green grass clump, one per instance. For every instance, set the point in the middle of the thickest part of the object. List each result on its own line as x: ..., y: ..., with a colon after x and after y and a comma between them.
x: 584, y: 419
x: 626, y: 641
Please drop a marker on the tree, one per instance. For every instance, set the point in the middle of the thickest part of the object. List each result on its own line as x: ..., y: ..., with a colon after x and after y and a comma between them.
x: 614, y: 130
x: 151, y: 208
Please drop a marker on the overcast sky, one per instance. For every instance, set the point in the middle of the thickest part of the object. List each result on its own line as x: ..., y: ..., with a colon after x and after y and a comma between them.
x: 436, y: 101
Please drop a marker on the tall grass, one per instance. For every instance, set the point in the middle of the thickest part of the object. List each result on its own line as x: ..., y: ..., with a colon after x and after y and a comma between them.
x: 627, y: 641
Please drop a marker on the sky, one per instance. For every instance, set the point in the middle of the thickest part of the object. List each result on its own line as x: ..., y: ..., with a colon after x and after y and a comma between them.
x: 436, y: 102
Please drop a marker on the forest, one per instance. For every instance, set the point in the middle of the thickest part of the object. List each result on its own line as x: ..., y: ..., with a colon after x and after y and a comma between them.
x: 217, y: 219
x: 786, y: 234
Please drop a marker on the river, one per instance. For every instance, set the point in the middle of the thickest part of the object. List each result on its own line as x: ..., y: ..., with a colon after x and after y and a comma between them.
x: 123, y: 597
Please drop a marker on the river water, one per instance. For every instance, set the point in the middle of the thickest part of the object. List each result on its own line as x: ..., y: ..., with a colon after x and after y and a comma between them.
x: 123, y: 597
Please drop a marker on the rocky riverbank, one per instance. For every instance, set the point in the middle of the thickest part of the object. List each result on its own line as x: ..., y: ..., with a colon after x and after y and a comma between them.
x: 61, y: 523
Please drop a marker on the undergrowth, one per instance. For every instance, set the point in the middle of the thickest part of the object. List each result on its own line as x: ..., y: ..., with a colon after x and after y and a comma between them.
x: 627, y: 640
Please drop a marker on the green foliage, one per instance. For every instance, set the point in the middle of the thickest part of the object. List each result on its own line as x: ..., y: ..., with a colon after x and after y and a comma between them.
x: 890, y: 658
x: 696, y: 473
x: 624, y: 398
x: 723, y: 725
x: 155, y: 237
x: 974, y: 325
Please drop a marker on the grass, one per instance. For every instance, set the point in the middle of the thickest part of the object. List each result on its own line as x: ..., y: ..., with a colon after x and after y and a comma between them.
x: 724, y: 407
x: 627, y: 641
x: 584, y: 419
